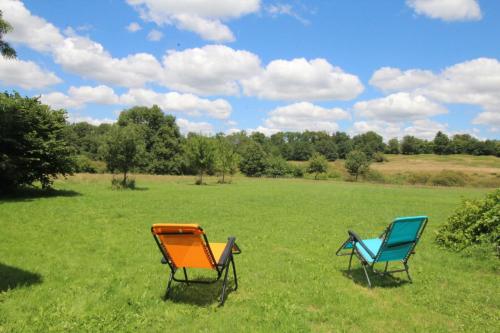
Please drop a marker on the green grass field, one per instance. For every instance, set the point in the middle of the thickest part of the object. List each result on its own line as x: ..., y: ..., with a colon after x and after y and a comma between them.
x: 84, y: 259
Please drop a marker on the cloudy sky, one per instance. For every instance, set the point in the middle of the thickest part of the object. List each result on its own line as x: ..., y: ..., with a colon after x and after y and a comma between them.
x: 394, y: 66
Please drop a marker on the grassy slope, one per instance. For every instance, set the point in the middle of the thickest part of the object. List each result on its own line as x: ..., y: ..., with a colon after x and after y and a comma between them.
x: 100, y: 267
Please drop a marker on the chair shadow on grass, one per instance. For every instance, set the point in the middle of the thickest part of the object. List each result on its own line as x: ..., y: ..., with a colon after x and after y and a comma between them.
x: 13, y: 277
x: 201, y: 294
x: 30, y: 193
x: 394, y: 280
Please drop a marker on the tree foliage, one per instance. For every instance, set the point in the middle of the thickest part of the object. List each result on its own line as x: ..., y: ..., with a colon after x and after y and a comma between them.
x: 317, y: 164
x: 356, y: 163
x: 33, y: 144
x: 226, y: 161
x: 253, y: 160
x: 5, y: 49
x: 200, y: 154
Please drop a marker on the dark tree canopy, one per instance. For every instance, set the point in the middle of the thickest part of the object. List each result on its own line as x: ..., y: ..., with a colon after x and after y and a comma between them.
x: 33, y: 144
x: 5, y: 49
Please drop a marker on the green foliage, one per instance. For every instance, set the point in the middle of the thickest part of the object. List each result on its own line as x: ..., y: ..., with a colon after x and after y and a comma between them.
x: 317, y: 164
x: 33, y: 144
x: 412, y: 145
x: 226, y: 159
x: 369, y: 143
x: 123, y: 184
x: 123, y: 149
x: 473, y: 223
x: 356, y: 163
x: 296, y: 171
x: 442, y: 144
x: 449, y: 178
x: 277, y: 166
x: 253, y: 160
x: 393, y: 146
x: 379, y: 157
x: 200, y: 153
x: 419, y: 178
x: 374, y: 176
x: 5, y: 49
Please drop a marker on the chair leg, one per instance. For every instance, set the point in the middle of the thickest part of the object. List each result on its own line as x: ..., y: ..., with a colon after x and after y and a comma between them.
x: 367, y: 277
x: 185, y: 275
x: 169, y: 284
x: 234, y: 273
x: 224, y: 286
x: 350, y: 260
x: 407, y: 269
x: 386, y: 264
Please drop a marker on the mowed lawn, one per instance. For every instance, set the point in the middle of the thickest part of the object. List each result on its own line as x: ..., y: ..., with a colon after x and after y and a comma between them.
x: 85, y: 260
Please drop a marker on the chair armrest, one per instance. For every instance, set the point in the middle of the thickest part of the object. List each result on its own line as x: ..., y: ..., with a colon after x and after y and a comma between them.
x: 231, y: 241
x: 358, y: 239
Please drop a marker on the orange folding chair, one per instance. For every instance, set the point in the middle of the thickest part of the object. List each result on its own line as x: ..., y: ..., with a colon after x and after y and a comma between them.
x: 186, y: 246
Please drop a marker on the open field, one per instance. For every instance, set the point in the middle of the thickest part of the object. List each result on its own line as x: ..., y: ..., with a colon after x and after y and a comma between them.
x: 84, y: 259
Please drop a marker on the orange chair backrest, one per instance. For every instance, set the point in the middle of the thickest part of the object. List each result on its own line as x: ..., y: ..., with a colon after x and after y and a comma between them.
x: 185, y: 245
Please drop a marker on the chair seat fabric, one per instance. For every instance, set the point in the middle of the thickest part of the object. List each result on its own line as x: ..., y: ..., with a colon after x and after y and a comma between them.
x: 373, y: 244
x: 217, y: 249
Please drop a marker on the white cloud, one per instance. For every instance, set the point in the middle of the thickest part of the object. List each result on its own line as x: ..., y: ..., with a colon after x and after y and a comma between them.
x: 447, y: 10
x: 199, y: 16
x: 180, y: 103
x: 304, y: 116
x: 299, y: 79
x: 212, y: 69
x: 187, y: 126
x: 389, y: 79
x: 25, y: 74
x: 399, y: 107
x: 133, y: 27
x: 421, y: 128
x: 491, y: 119
x: 94, y: 121
x: 79, y: 97
x: 79, y: 55
x: 261, y: 129
x: 284, y: 9
x: 155, y: 35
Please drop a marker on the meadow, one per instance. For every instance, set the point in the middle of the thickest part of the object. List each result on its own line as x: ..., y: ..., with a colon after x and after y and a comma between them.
x: 82, y: 258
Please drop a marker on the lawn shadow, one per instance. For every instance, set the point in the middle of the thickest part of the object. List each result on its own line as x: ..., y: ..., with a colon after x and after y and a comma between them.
x: 30, y: 193
x: 13, y: 277
x: 383, y: 281
x: 200, y: 294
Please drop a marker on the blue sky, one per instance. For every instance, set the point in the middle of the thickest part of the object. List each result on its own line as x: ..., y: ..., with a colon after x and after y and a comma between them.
x: 394, y: 66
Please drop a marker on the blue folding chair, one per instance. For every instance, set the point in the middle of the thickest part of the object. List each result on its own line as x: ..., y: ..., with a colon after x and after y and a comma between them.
x: 396, y: 243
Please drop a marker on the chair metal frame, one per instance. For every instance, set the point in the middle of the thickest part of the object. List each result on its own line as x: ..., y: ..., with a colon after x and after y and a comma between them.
x: 353, y: 238
x: 221, y: 267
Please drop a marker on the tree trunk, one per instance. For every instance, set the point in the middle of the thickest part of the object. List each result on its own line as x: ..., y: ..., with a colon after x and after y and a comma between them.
x: 124, y: 178
x: 222, y: 177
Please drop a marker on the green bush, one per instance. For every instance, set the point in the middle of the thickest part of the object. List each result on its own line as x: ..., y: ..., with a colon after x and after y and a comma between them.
x: 317, y: 164
x: 253, y: 160
x: 449, y: 178
x: 123, y: 184
x: 296, y: 170
x: 277, y: 166
x: 379, y: 157
x: 475, y: 222
x: 85, y: 164
x: 334, y: 174
x: 374, y: 176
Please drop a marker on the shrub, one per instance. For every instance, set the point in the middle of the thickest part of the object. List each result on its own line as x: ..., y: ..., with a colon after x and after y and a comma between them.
x: 253, y: 160
x: 356, y: 163
x: 277, y: 166
x: 317, y: 164
x: 379, y: 157
x: 334, y: 174
x: 475, y: 222
x: 296, y: 170
x: 449, y: 178
x: 374, y: 176
x: 123, y: 184
x: 421, y: 178
x: 84, y: 164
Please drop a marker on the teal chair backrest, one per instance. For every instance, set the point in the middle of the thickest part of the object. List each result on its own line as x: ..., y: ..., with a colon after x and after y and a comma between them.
x: 401, y: 237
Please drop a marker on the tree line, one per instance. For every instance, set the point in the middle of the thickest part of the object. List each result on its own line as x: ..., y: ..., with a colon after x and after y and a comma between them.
x: 37, y: 143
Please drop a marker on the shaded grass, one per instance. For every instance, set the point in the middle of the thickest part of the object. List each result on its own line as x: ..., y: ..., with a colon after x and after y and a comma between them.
x: 101, y: 269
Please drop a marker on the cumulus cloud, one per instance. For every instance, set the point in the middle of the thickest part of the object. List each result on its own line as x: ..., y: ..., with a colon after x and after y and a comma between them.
x: 203, y: 17
x: 94, y: 121
x: 304, y: 116
x: 133, y: 27
x: 284, y: 9
x: 187, y: 126
x: 300, y: 79
x: 399, y: 107
x: 180, y: 103
x: 421, y: 128
x: 212, y: 69
x: 155, y: 35
x: 79, y: 97
x: 389, y: 79
x: 25, y: 74
x: 447, y: 10
x: 491, y: 119
x: 77, y: 54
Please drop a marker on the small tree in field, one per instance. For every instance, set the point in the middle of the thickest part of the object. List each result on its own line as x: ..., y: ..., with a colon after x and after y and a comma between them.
x: 226, y: 160
x: 356, y: 163
x: 317, y: 164
x: 123, y: 150
x: 200, y: 152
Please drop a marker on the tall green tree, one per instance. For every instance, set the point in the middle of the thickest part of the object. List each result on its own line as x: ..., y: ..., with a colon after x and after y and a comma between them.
x: 393, y: 146
x: 442, y: 144
x: 123, y: 150
x: 226, y: 161
x: 5, y: 49
x: 200, y: 153
x: 33, y: 144
x: 253, y: 160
